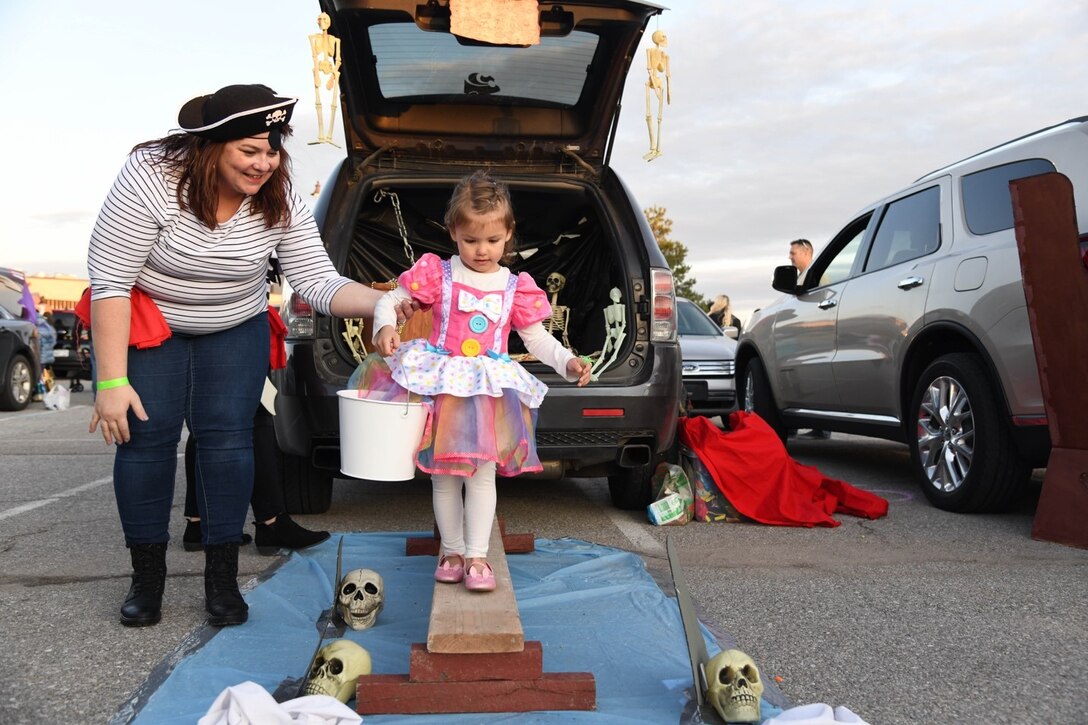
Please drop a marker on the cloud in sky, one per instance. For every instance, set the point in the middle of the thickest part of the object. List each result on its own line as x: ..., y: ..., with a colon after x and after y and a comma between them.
x: 787, y: 117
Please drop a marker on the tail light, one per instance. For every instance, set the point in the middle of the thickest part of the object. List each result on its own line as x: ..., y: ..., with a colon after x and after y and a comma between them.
x: 298, y: 316
x: 663, y: 322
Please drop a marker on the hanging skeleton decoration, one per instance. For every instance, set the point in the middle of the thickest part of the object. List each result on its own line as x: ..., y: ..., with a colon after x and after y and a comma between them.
x: 336, y: 670
x: 560, y: 313
x: 615, y: 320
x: 734, y: 686
x: 360, y: 598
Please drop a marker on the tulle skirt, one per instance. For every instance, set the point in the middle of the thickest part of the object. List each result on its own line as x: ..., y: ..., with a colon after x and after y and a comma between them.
x: 461, y: 432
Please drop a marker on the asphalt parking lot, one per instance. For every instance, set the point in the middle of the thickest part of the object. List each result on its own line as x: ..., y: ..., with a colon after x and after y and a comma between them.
x: 921, y: 616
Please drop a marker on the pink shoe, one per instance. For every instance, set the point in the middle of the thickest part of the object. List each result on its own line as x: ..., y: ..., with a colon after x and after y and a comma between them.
x: 480, y: 578
x: 449, y: 572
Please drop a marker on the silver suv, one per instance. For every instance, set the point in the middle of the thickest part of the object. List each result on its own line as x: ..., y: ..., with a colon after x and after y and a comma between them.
x: 912, y: 325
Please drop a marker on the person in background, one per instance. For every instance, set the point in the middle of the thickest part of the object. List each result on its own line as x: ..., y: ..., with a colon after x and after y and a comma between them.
x: 274, y: 526
x: 722, y: 313
x: 177, y: 262
x: 47, y: 342
x: 801, y: 258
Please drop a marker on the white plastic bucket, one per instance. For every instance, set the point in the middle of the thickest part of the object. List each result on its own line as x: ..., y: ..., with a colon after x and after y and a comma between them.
x: 378, y: 439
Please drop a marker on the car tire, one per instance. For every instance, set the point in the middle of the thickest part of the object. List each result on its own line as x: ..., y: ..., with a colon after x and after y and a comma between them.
x: 18, y: 385
x: 306, y: 490
x: 630, y: 488
x: 961, y: 448
x: 755, y: 397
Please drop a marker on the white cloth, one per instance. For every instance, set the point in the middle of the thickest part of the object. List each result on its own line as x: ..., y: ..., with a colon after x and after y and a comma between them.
x: 250, y: 704
x: 816, y: 713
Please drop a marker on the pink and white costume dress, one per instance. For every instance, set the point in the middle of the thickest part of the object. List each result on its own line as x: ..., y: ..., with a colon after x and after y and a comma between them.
x: 481, y: 404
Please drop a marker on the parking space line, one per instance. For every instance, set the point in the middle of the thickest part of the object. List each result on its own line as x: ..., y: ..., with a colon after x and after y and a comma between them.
x: 641, y: 541
x: 31, y: 505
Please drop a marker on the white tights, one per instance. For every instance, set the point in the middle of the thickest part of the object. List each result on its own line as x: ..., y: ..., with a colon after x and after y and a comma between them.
x: 465, y: 527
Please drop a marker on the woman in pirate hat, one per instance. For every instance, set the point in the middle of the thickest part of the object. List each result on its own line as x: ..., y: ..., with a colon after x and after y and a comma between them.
x: 184, y: 239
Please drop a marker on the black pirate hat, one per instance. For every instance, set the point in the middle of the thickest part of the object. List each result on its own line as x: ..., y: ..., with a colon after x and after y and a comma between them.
x: 235, y: 112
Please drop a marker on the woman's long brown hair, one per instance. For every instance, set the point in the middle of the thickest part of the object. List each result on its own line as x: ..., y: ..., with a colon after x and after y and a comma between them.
x: 196, y: 160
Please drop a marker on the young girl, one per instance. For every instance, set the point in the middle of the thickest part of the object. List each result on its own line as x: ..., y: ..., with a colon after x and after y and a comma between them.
x: 482, y: 405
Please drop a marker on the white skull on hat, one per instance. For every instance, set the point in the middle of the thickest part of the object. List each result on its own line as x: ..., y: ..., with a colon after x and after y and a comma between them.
x: 277, y: 116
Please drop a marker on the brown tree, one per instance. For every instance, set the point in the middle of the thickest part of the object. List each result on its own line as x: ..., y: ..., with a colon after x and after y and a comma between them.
x: 675, y: 253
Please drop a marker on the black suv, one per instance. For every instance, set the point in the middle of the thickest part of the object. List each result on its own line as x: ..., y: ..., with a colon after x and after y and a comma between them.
x: 72, y: 352
x: 423, y: 107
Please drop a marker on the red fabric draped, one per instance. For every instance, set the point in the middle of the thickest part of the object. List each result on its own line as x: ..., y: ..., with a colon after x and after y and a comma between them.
x: 752, y: 469
x: 147, y: 327
x: 277, y: 354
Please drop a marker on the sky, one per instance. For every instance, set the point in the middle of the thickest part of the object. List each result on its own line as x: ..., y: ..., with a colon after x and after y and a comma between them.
x: 787, y: 116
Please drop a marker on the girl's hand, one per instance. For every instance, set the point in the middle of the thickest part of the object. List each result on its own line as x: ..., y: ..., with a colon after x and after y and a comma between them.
x: 388, y: 340
x: 581, y: 368
x: 111, y: 410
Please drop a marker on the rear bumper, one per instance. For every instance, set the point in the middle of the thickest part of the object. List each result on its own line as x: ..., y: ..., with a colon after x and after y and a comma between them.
x: 307, y: 418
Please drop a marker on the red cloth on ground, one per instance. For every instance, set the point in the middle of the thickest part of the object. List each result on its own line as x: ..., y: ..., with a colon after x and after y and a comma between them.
x: 277, y: 354
x: 753, y: 470
x: 147, y: 327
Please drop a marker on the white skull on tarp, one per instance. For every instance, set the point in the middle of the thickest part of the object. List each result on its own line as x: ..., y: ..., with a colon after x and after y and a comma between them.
x: 336, y: 670
x: 359, y: 598
x: 734, y: 686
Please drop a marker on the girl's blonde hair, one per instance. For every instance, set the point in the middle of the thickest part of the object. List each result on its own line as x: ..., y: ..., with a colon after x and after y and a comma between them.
x: 721, y: 304
x: 481, y: 195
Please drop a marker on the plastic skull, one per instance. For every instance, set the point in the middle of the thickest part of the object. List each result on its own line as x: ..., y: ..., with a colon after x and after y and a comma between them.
x: 555, y: 282
x: 336, y: 670
x: 360, y: 597
x: 734, y: 686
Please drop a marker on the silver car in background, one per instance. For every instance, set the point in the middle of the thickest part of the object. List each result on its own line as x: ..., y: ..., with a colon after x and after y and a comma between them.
x: 708, y: 357
x: 912, y: 325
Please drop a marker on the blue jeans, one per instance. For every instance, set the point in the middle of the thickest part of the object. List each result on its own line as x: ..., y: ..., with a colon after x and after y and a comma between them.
x: 213, y: 383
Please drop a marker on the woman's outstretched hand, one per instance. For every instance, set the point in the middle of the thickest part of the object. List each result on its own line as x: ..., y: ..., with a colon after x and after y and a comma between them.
x: 111, y: 410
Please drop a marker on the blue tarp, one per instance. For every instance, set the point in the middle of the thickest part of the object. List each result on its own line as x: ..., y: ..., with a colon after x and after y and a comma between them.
x: 594, y: 609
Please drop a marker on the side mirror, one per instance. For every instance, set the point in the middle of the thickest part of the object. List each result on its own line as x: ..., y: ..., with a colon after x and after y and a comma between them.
x: 785, y: 279
x: 730, y: 331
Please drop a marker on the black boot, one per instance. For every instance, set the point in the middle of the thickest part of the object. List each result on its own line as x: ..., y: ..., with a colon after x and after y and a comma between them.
x: 221, y: 596
x: 284, y: 533
x: 143, y: 605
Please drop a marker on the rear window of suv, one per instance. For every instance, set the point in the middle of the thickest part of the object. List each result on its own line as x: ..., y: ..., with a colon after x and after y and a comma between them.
x: 987, y: 204
x: 413, y: 63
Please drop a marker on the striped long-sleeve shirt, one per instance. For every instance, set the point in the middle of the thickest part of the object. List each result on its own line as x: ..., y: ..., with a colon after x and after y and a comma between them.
x: 202, y: 280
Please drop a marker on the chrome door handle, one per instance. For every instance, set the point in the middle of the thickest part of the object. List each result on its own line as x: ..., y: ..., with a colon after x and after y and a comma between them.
x: 910, y: 283
x: 827, y: 304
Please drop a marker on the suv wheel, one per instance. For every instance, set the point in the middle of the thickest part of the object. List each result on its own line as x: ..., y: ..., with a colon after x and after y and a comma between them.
x: 961, y: 448
x: 756, y: 397
x: 18, y: 384
x: 630, y: 488
x: 306, y: 490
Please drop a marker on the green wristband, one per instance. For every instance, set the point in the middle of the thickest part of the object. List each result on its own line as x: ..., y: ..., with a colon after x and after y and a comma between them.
x: 114, y: 383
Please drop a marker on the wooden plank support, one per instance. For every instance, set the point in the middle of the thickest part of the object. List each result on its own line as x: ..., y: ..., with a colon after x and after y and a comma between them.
x: 476, y: 658
x: 464, y: 622
x: 430, y: 545
x: 395, y: 694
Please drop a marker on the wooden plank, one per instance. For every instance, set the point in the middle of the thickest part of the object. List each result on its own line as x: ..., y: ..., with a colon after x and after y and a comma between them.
x: 464, y: 622
x: 376, y: 694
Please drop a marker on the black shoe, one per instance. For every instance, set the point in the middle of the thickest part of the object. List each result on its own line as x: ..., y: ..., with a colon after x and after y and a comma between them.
x: 143, y: 604
x: 222, y: 599
x: 191, y: 539
x: 284, y: 533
